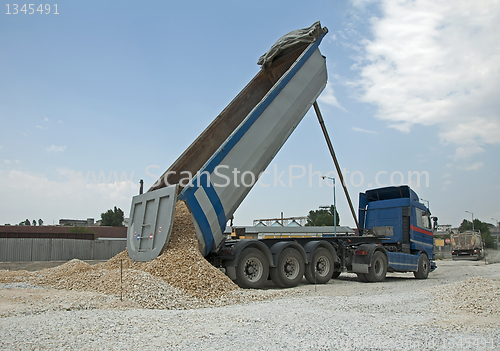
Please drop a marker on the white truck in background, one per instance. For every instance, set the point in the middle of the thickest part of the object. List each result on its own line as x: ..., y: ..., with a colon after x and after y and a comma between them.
x: 467, y: 245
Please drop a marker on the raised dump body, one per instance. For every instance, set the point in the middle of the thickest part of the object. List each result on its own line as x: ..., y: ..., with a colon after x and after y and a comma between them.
x: 215, y: 173
x: 468, y: 244
x: 219, y: 168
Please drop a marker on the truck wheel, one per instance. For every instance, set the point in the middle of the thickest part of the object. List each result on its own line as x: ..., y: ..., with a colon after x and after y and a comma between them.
x: 320, y: 270
x: 252, y: 270
x: 289, y: 270
x: 480, y: 255
x: 362, y: 277
x: 378, y: 268
x: 423, y: 267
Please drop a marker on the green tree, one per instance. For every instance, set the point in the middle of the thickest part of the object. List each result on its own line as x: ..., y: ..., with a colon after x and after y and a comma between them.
x: 40, y: 222
x: 27, y: 222
x: 322, y: 217
x: 34, y: 223
x: 113, y: 218
x: 77, y: 229
x: 479, y: 225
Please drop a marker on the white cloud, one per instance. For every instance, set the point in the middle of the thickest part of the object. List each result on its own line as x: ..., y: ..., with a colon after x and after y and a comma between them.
x: 473, y: 166
x: 463, y: 152
x: 332, y: 38
x: 56, y: 149
x: 37, y: 196
x: 447, y: 182
x: 45, y: 119
x: 361, y: 130
x: 437, y: 63
x: 328, y: 97
x: 361, y: 3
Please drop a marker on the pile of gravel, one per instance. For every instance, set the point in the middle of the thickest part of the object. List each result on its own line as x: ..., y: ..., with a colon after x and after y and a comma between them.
x: 180, y: 278
x: 181, y: 265
x: 472, y: 303
x: 477, y: 295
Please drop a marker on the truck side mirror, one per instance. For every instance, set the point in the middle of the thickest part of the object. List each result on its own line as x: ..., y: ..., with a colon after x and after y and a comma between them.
x: 435, y: 224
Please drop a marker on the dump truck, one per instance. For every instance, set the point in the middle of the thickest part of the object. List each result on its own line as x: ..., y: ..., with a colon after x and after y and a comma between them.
x: 216, y: 172
x: 467, y: 245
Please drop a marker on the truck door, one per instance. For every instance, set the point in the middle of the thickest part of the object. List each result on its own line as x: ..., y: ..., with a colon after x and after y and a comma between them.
x: 421, y: 231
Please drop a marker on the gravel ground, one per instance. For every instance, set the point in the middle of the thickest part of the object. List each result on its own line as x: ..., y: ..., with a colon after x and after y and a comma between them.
x: 401, y: 313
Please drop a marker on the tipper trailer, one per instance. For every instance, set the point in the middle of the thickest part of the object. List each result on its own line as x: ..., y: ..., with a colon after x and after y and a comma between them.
x: 216, y: 172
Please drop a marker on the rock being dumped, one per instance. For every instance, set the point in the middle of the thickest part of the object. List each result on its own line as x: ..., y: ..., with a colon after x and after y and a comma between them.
x: 179, y: 278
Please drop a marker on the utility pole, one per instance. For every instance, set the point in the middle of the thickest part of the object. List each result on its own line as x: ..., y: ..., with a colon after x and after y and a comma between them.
x: 472, y: 219
x: 498, y: 226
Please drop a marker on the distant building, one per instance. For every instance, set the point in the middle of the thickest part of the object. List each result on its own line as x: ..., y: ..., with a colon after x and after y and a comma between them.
x: 89, y: 222
x: 444, y: 228
x: 62, y: 232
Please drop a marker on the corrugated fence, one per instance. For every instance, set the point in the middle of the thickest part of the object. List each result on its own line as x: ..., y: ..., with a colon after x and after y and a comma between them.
x: 25, y: 250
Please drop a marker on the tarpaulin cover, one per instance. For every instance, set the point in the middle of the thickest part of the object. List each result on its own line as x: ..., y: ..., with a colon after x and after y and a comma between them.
x: 306, y: 35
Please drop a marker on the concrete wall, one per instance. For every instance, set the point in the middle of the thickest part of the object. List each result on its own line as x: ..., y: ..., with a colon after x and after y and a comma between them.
x: 25, y: 250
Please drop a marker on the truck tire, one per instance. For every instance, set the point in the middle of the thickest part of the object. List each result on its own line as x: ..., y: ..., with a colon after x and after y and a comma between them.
x: 252, y: 270
x: 320, y: 270
x: 423, y: 267
x: 362, y: 277
x: 289, y: 270
x: 480, y: 255
x: 378, y: 268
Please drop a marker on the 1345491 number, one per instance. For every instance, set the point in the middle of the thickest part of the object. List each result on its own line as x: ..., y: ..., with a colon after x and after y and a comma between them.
x: 30, y: 9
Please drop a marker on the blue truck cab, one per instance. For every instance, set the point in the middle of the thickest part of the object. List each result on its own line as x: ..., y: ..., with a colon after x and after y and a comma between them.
x: 403, y: 224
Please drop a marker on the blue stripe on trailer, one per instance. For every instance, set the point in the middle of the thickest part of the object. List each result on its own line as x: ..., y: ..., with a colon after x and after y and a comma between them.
x: 215, y: 200
x: 201, y: 218
x: 234, y: 138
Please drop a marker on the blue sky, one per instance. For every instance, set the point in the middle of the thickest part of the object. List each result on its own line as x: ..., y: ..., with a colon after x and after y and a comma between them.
x: 107, y: 88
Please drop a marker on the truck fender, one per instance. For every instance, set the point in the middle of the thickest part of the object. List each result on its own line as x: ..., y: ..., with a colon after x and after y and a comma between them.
x: 243, y: 244
x: 311, y: 246
x: 361, y: 263
x: 280, y: 246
